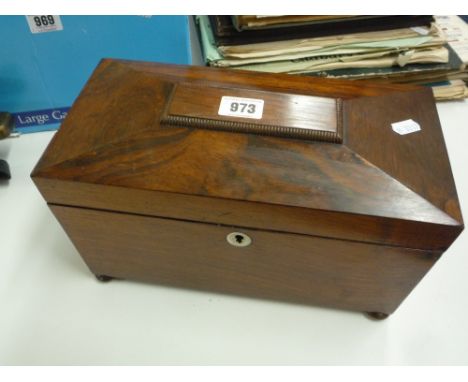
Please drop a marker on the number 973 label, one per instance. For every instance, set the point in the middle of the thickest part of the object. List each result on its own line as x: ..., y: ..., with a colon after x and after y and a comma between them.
x: 241, y: 107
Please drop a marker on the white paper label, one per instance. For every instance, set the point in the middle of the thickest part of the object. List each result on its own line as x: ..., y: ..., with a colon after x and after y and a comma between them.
x: 421, y: 30
x: 406, y: 127
x: 241, y: 107
x: 44, y: 23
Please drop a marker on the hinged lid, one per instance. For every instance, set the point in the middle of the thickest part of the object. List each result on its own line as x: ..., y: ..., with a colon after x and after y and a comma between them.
x: 338, y: 159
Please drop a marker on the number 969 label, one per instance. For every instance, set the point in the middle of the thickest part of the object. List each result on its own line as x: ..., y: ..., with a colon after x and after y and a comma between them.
x: 44, y: 23
x: 241, y: 107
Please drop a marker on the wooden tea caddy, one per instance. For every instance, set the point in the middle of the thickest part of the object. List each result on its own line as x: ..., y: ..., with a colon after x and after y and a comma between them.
x: 316, y: 198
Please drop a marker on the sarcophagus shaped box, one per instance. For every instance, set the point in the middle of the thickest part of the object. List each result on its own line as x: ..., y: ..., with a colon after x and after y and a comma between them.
x: 301, y: 189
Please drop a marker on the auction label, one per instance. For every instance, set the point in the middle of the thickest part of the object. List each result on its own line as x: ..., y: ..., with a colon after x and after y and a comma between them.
x: 241, y: 107
x: 44, y: 23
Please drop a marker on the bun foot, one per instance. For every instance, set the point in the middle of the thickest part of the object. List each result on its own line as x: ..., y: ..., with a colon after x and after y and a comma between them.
x: 377, y: 316
x: 104, y: 278
x: 4, y: 170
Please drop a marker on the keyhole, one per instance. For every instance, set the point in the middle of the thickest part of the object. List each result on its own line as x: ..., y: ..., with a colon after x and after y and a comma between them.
x: 238, y: 239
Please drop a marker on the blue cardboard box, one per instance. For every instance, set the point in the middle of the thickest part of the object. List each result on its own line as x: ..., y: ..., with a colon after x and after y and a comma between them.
x: 43, y: 71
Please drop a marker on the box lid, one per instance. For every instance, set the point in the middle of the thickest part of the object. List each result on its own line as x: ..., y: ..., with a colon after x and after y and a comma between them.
x: 331, y: 158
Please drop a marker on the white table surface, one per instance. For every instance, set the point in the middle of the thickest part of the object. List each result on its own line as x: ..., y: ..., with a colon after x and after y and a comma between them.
x: 53, y: 311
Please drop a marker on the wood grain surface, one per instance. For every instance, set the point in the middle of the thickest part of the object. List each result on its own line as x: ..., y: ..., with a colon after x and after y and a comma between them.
x: 353, y: 224
x: 287, y: 267
x: 118, y: 141
x: 280, y: 109
x: 419, y: 160
x: 277, y: 218
x: 252, y: 168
